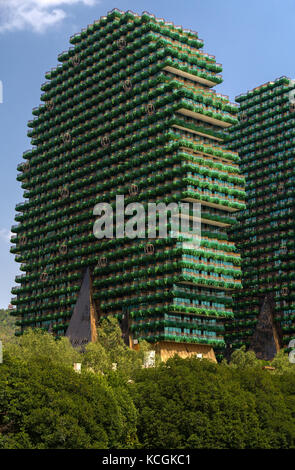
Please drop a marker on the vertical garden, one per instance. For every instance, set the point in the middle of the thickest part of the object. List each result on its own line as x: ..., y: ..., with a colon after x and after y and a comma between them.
x: 265, y: 231
x: 130, y: 111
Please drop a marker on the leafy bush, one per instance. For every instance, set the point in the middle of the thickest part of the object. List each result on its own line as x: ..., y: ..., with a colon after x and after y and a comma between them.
x: 7, y: 326
x: 191, y: 403
x: 44, y: 403
x: 183, y: 403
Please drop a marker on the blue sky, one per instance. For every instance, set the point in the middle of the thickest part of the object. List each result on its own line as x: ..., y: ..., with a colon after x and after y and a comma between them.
x: 252, y: 39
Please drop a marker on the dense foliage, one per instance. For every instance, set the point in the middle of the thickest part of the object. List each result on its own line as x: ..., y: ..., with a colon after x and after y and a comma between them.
x: 7, y: 326
x: 183, y: 403
x: 195, y: 404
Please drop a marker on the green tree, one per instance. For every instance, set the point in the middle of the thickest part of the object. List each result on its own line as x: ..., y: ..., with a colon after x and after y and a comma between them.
x: 44, y: 403
x: 110, y: 349
x: 242, y: 359
x: 183, y: 403
x: 7, y: 327
x: 189, y: 403
x: 282, y: 363
x: 37, y: 344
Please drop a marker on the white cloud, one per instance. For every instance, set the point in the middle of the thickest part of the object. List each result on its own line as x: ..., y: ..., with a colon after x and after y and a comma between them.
x: 36, y: 15
x: 5, y: 235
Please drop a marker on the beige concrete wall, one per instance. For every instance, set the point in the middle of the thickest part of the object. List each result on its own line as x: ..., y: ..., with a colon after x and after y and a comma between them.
x: 168, y: 349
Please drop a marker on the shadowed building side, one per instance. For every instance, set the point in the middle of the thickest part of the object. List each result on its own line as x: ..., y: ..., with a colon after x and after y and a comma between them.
x: 82, y: 326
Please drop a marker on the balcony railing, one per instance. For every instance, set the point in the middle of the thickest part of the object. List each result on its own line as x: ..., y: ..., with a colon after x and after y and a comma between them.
x: 77, y: 35
x: 27, y: 151
x: 20, y: 166
x: 61, y: 54
x: 19, y: 205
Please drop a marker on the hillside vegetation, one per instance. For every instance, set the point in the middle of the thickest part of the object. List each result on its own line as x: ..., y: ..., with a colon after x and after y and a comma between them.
x: 7, y: 326
x: 183, y: 403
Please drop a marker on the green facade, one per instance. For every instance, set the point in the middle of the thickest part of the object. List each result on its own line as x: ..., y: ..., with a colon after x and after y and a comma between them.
x: 265, y: 231
x: 130, y: 107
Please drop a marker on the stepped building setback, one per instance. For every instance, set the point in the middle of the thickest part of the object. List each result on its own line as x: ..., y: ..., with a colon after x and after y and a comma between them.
x: 265, y: 231
x: 130, y: 111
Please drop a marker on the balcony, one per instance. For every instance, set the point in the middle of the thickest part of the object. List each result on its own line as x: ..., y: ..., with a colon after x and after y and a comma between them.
x: 214, y: 205
x: 19, y: 207
x: 15, y: 290
x: 36, y: 110
x: 192, y: 131
x: 45, y: 86
x: 204, y: 117
x: 62, y: 56
x: 190, y: 76
x: 75, y: 38
x: 213, y: 156
x: 20, y: 166
x: 31, y: 123
x: 27, y: 151
x: 217, y: 287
